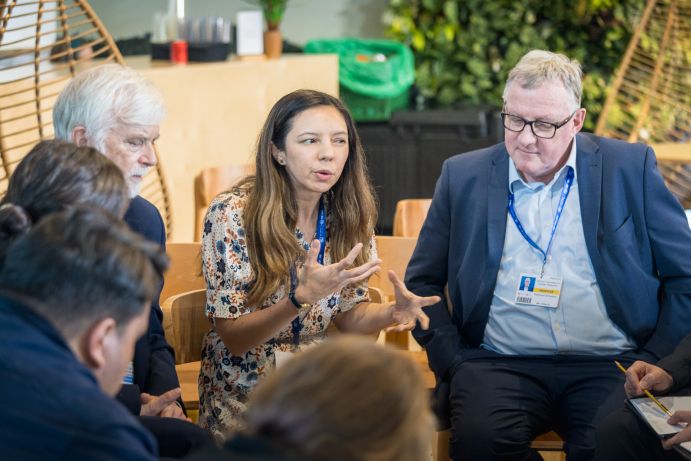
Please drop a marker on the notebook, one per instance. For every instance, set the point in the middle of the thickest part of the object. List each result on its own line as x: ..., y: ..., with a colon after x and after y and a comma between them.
x: 653, y: 415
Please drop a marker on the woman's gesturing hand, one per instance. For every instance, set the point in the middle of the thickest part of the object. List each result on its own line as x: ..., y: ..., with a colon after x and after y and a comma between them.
x: 408, y: 306
x: 316, y: 281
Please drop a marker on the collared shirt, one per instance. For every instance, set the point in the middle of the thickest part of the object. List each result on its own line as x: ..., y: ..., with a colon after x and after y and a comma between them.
x: 579, y: 324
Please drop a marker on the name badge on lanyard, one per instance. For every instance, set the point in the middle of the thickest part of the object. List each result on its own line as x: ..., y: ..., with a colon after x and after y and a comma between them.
x: 537, y: 289
x: 296, y: 325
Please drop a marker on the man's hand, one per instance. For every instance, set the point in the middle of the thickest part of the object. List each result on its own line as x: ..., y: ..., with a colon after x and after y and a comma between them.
x: 644, y: 376
x: 684, y: 435
x: 165, y: 405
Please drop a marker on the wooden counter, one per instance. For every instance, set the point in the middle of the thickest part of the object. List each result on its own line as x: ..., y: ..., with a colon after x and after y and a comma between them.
x: 215, y: 112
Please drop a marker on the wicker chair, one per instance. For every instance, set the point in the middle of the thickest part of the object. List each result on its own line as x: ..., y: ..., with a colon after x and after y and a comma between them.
x: 43, y: 45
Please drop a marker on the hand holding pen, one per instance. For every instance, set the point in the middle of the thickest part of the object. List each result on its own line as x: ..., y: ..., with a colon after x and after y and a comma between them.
x: 642, y: 376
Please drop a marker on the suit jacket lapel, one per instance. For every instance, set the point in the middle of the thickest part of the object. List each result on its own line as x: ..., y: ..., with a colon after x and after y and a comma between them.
x: 589, y: 168
x: 497, y: 203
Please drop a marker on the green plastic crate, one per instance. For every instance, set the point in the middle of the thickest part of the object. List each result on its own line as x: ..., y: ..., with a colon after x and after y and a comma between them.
x: 368, y: 109
x: 371, y: 87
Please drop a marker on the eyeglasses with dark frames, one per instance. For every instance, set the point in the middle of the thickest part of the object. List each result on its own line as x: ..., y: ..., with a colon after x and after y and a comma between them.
x: 540, y: 128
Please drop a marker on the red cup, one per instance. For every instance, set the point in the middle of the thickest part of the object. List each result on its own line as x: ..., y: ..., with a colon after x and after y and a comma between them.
x: 178, y: 51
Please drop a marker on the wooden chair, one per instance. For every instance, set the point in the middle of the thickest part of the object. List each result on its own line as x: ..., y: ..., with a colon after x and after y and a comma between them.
x: 31, y: 77
x: 395, y: 252
x: 376, y: 295
x: 209, y: 183
x: 184, y: 273
x: 409, y: 216
x: 185, y: 323
x: 550, y: 444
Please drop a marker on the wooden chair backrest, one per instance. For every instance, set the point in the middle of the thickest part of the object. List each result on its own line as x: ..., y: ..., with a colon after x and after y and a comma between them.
x: 376, y: 295
x: 209, y: 183
x: 409, y: 216
x: 395, y: 252
x: 185, y: 323
x: 42, y: 46
x: 184, y: 273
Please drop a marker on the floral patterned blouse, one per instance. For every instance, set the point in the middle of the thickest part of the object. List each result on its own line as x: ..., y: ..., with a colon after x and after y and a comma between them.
x: 225, y: 380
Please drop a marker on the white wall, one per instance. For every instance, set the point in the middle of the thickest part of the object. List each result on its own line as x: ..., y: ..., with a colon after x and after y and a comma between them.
x: 304, y: 19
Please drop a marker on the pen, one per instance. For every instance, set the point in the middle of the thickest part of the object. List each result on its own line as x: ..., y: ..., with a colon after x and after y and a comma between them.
x: 648, y: 394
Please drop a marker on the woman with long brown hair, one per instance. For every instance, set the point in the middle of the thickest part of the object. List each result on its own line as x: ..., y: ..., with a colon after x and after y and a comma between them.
x: 271, y: 286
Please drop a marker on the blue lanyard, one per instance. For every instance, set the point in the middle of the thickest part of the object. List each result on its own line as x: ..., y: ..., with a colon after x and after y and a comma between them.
x: 321, y: 236
x: 560, y: 208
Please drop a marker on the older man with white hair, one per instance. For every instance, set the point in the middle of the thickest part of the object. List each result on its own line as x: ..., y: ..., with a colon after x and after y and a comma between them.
x: 117, y: 111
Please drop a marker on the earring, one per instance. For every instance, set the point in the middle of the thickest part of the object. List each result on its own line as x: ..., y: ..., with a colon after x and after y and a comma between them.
x: 281, y: 161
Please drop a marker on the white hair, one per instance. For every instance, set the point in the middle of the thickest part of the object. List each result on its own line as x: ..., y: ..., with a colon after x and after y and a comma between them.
x: 103, y: 97
x: 538, y: 66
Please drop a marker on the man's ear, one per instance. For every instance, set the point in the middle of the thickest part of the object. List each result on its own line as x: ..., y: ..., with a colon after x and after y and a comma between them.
x: 579, y: 119
x: 95, y: 343
x: 79, y: 135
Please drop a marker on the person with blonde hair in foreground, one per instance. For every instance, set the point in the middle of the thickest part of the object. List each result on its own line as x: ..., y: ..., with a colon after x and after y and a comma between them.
x: 346, y: 399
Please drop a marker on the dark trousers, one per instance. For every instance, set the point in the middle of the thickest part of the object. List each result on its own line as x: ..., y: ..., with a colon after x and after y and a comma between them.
x: 499, y: 404
x: 622, y: 435
x: 176, y: 438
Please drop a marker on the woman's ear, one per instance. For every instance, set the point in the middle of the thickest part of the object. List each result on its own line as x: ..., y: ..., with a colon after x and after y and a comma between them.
x: 278, y: 154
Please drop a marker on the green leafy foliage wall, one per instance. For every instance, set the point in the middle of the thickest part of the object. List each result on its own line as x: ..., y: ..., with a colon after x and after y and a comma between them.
x: 464, y: 49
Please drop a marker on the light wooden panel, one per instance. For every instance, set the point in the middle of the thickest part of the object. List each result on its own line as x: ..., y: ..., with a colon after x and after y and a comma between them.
x: 215, y: 112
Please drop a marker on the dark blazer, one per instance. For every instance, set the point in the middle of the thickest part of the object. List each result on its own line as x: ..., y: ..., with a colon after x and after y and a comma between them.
x: 154, y: 359
x: 51, y: 406
x: 636, y: 233
x: 678, y: 364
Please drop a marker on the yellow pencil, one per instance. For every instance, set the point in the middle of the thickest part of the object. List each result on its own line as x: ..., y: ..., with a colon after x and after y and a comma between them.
x: 648, y: 394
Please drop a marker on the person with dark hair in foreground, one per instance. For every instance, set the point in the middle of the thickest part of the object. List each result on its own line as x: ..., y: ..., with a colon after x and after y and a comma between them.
x: 623, y: 435
x: 346, y: 399
x: 74, y: 297
x: 53, y: 176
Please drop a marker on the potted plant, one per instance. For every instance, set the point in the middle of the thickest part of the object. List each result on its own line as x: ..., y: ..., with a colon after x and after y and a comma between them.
x: 273, y: 13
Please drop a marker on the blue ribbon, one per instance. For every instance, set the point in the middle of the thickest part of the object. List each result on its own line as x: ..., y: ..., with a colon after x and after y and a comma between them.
x: 560, y: 208
x: 296, y: 325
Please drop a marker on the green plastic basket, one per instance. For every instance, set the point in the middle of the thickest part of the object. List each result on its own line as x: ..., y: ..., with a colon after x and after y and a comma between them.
x: 375, y: 75
x: 368, y: 109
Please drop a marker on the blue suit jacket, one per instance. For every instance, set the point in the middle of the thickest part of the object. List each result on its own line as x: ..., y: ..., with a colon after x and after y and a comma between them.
x: 636, y: 233
x: 154, y: 359
x: 678, y: 364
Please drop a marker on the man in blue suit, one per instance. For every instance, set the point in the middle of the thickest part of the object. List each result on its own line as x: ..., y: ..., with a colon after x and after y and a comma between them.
x: 609, y: 248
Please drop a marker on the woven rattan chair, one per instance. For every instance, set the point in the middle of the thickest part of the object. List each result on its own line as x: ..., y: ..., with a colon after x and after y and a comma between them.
x: 650, y: 97
x: 42, y: 45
